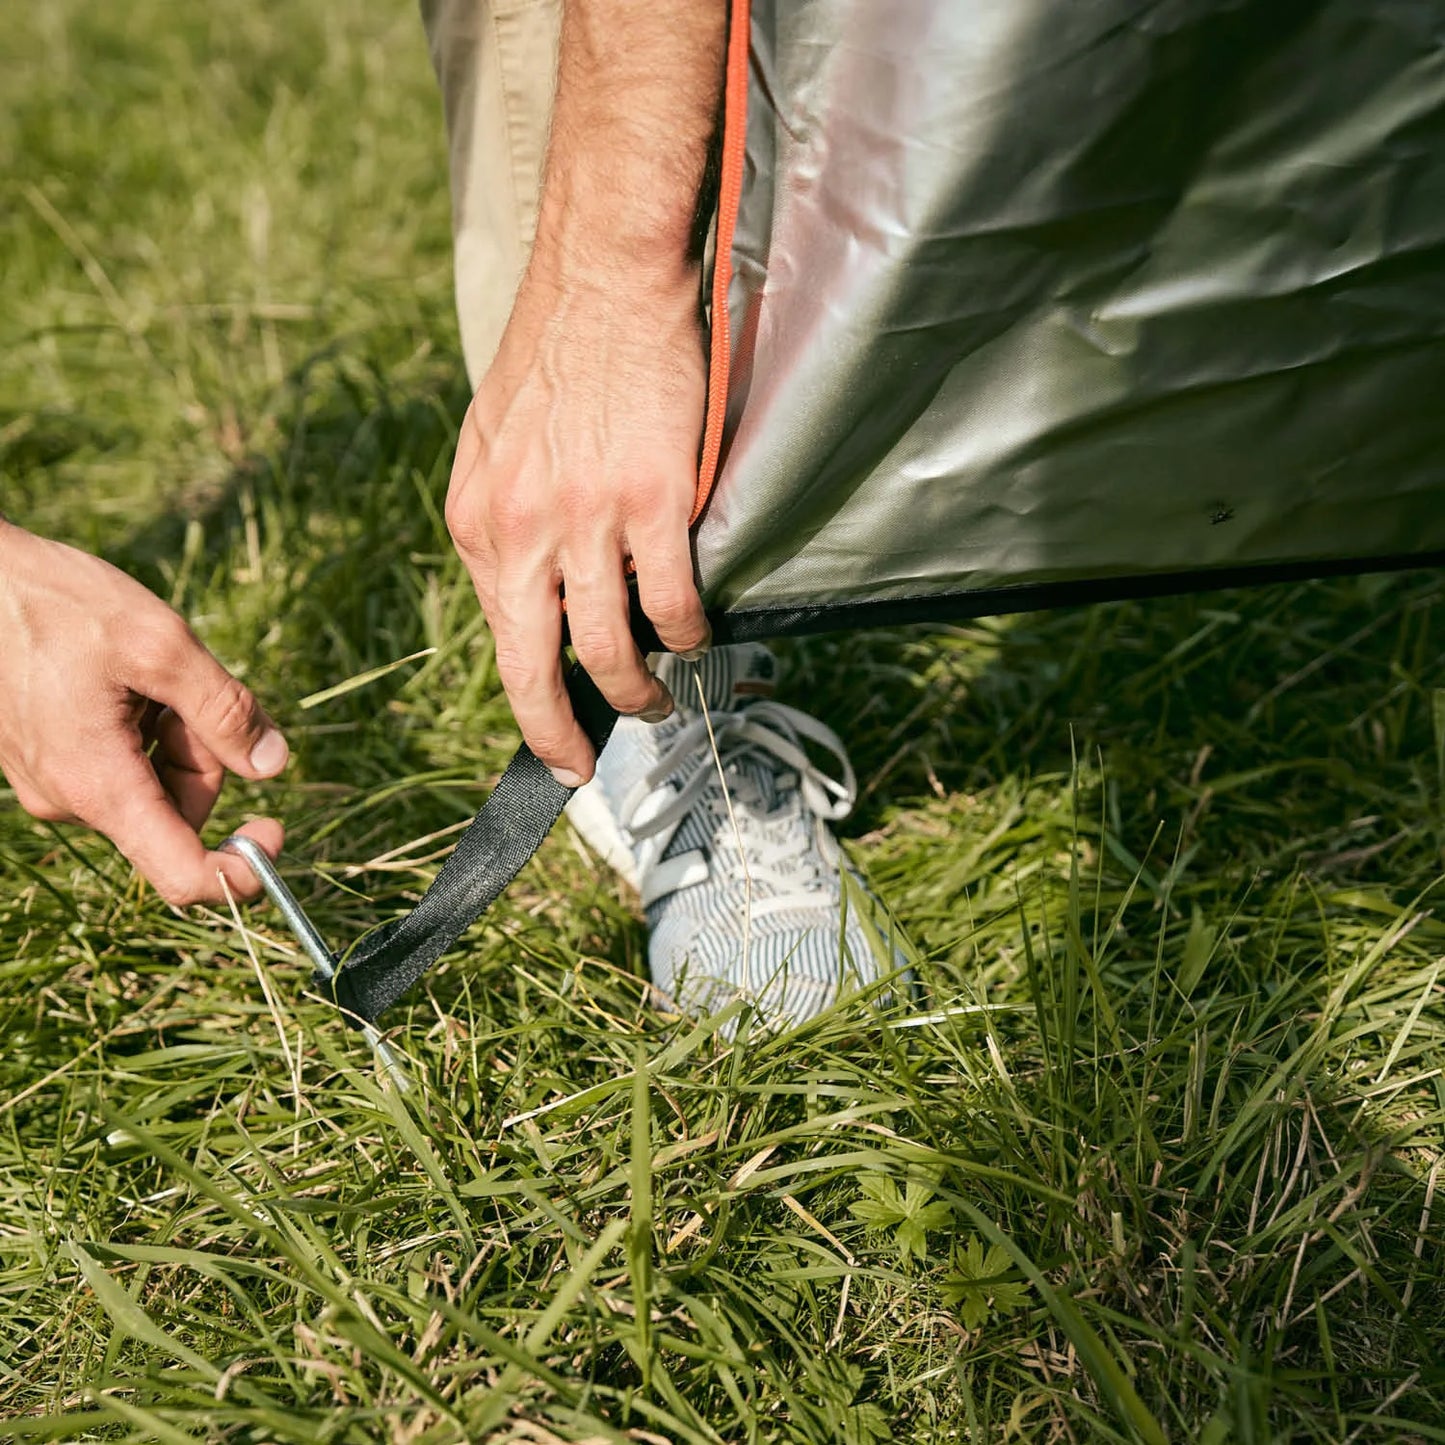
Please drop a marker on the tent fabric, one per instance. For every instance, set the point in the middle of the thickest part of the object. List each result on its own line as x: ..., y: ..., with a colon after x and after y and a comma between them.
x: 1033, y: 301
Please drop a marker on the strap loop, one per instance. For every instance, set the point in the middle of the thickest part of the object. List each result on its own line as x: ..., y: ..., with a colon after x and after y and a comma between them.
x: 507, y: 831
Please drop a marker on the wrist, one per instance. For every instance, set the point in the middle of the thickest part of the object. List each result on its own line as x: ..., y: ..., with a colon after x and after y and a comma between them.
x: 586, y: 242
x: 574, y: 293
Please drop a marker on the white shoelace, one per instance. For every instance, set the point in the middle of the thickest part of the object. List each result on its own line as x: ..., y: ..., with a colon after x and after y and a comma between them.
x: 777, y: 841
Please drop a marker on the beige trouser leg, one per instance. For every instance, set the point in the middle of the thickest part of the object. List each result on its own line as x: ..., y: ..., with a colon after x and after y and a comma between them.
x: 496, y: 61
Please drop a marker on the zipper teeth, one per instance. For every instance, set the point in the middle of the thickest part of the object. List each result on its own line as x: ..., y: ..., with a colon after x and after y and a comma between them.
x: 730, y: 188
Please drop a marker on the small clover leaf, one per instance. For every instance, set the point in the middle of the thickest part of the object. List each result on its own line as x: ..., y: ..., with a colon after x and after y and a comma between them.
x: 909, y: 1214
x: 979, y: 1285
x: 881, y: 1205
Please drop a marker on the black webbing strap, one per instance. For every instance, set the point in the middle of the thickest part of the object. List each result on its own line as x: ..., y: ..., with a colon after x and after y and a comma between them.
x: 506, y: 832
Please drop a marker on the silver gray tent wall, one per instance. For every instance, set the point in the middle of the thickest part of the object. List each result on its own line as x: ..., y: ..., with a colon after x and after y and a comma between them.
x: 1037, y: 301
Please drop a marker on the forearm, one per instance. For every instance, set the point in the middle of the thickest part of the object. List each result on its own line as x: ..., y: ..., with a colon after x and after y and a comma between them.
x: 638, y: 85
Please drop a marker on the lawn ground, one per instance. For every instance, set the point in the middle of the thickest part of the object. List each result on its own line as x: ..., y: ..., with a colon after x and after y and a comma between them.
x: 1154, y: 1154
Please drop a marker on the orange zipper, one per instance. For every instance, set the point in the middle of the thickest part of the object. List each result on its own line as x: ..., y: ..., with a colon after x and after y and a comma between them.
x: 730, y: 189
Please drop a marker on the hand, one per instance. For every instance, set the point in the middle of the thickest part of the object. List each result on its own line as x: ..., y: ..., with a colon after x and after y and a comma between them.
x: 94, y: 671
x: 578, y: 452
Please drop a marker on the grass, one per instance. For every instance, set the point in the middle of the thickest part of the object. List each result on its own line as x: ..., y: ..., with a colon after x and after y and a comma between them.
x: 1155, y: 1153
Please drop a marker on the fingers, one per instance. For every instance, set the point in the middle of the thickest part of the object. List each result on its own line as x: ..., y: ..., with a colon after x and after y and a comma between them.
x: 217, y: 709
x: 523, y: 609
x: 526, y: 621
x: 151, y: 810
x: 146, y: 825
x: 597, y: 616
x: 666, y: 589
x: 524, y: 612
x: 268, y: 832
x: 188, y: 770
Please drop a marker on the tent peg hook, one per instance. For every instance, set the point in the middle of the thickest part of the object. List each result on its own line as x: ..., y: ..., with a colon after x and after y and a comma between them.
x: 306, y: 934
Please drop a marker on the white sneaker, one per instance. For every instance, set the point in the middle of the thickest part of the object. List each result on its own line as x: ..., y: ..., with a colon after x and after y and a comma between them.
x: 774, y: 929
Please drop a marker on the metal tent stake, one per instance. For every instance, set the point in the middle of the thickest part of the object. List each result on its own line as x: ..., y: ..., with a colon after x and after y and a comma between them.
x: 310, y: 940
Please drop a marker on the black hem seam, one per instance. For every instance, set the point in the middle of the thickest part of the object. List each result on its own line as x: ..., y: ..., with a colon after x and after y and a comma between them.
x: 756, y: 624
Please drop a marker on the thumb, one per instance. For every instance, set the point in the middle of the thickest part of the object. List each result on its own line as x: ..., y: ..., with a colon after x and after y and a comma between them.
x: 217, y: 708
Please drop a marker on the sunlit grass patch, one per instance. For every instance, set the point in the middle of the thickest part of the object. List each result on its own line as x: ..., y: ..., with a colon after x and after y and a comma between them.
x: 1153, y: 1151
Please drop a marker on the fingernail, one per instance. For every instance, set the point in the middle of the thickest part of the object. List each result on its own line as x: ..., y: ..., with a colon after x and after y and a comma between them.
x: 661, y: 710
x: 698, y: 653
x: 567, y: 777
x: 270, y: 754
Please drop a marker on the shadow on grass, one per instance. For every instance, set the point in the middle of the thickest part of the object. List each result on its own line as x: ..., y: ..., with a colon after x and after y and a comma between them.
x: 1281, y: 725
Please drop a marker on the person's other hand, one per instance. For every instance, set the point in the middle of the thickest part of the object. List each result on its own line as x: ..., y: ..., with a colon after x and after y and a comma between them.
x: 114, y: 715
x: 579, y: 452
